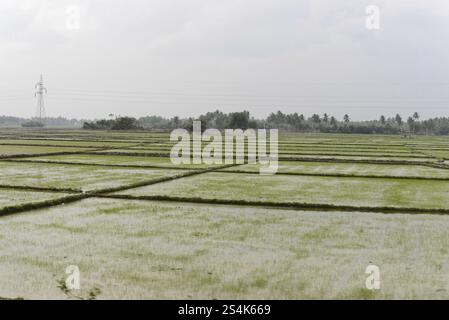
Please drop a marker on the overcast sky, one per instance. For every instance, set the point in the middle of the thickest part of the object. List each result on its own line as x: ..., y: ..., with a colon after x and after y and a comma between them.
x: 186, y: 57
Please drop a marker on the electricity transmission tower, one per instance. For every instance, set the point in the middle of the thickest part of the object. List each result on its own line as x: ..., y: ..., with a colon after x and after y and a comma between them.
x: 40, y: 89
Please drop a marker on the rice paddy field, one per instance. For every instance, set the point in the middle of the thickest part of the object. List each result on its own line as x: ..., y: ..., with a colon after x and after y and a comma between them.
x: 140, y: 227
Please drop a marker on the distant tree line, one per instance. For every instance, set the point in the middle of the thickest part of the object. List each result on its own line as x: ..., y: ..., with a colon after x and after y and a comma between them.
x: 119, y: 123
x: 293, y: 122
x: 8, y: 121
x: 329, y: 124
x: 217, y: 120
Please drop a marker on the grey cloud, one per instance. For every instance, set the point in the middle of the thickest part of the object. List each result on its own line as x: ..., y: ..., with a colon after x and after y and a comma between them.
x: 185, y: 57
